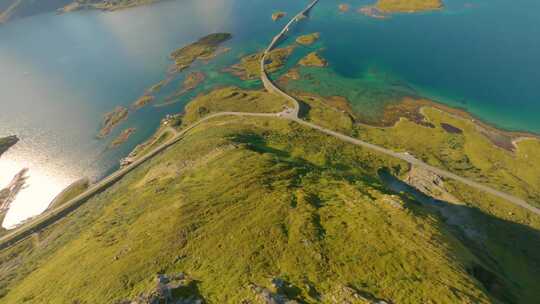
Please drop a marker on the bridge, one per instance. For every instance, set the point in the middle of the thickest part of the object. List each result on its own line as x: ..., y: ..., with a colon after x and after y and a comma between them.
x: 267, y: 82
x: 51, y: 216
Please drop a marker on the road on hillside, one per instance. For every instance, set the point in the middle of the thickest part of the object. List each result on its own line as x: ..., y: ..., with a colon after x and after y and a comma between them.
x: 293, y: 115
x: 51, y: 216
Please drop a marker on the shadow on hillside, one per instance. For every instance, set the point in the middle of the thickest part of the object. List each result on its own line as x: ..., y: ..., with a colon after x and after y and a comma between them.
x: 493, y: 240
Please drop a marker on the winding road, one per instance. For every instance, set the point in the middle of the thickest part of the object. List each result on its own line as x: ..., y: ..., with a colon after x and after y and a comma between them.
x: 293, y: 115
x: 51, y: 216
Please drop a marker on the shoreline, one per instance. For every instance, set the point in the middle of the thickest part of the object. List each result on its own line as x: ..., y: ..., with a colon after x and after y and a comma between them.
x: 409, y: 105
x: 500, y: 137
x: 412, y: 108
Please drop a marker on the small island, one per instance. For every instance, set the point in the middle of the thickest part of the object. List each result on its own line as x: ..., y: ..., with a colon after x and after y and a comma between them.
x: 313, y: 59
x: 343, y: 7
x: 156, y: 87
x: 382, y: 7
x: 278, y: 15
x: 111, y: 120
x: 122, y: 138
x: 203, y: 49
x: 192, y: 81
x: 308, y: 39
x: 249, y: 66
x: 142, y: 101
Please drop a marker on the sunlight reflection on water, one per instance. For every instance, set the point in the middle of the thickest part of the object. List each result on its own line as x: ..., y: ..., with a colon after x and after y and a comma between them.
x: 43, y: 184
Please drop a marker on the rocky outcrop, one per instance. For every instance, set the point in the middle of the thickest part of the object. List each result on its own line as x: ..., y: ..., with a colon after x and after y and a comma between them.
x: 430, y: 184
x: 266, y: 296
x: 8, y: 194
x: 170, y: 289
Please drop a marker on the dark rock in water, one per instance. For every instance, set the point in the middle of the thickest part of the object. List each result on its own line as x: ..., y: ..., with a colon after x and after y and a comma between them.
x: 7, y: 142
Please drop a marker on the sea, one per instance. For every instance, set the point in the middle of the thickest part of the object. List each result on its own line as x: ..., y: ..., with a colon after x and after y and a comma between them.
x: 59, y: 74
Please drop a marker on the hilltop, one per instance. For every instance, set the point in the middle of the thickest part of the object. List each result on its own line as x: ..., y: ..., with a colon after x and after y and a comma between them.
x: 246, y: 209
x: 263, y: 209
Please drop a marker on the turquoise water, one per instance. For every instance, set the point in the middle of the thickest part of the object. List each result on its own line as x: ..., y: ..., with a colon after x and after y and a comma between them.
x: 479, y: 55
x: 60, y: 74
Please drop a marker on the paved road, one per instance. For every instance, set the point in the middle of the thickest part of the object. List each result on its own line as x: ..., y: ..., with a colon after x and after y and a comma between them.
x: 416, y: 162
x: 292, y: 114
x: 51, y: 216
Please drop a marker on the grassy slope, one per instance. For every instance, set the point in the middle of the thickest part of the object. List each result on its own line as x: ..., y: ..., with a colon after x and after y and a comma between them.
x: 70, y: 192
x: 468, y: 154
x: 510, y: 238
x: 232, y: 99
x: 243, y: 200
x: 239, y: 201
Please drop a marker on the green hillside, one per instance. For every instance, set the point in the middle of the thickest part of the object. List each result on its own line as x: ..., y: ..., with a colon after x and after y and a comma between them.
x: 248, y: 209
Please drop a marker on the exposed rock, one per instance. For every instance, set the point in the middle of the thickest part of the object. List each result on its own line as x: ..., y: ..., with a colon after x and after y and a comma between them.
x: 268, y: 297
x: 278, y: 15
x: 170, y: 289
x: 430, y: 184
x: 8, y: 194
x: 393, y: 201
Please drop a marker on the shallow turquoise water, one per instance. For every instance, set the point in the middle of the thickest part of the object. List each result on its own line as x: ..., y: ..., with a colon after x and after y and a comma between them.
x: 60, y: 74
x: 479, y: 55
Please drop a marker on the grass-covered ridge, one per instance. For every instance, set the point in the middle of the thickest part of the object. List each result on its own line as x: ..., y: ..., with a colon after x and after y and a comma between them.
x: 240, y: 201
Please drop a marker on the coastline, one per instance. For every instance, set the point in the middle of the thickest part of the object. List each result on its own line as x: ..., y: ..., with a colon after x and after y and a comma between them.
x: 412, y: 108
x: 500, y: 137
